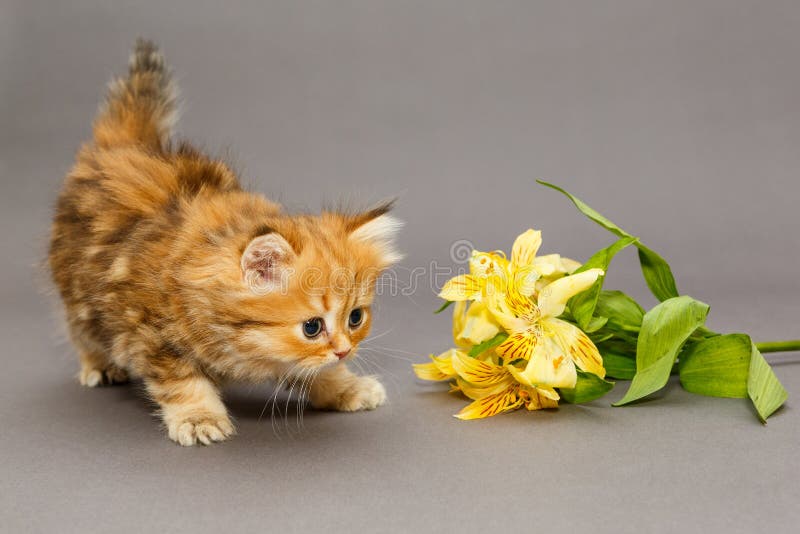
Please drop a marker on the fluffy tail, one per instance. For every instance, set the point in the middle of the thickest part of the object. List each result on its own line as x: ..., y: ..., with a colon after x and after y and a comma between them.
x: 140, y: 108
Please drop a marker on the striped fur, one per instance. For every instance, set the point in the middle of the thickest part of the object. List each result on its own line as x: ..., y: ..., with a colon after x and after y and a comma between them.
x: 157, y: 253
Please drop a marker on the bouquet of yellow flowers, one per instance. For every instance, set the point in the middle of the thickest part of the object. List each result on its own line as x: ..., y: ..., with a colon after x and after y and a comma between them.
x: 531, y: 330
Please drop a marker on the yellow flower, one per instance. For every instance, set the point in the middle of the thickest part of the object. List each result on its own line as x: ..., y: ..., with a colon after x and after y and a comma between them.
x: 482, y: 266
x: 524, y: 268
x: 494, y: 389
x: 523, y: 297
x: 552, y: 347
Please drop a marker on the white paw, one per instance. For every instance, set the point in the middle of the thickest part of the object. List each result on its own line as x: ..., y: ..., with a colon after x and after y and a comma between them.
x: 205, y: 429
x: 91, y: 377
x: 365, y: 393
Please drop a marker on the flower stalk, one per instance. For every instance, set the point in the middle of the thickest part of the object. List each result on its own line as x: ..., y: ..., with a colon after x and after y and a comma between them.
x: 779, y: 346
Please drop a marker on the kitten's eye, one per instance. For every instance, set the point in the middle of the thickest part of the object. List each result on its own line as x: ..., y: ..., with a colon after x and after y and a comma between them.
x: 356, y: 317
x: 313, y: 327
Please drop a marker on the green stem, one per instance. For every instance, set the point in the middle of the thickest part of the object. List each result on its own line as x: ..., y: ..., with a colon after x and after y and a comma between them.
x: 779, y: 346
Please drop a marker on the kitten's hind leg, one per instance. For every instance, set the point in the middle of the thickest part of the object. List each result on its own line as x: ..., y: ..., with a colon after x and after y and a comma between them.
x: 190, y: 404
x: 337, y: 388
x: 96, y: 366
x: 96, y: 370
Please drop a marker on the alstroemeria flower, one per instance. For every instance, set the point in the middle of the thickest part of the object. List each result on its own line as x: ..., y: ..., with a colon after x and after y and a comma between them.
x: 482, y: 266
x: 552, y: 347
x: 521, y: 297
x: 494, y: 389
x: 525, y: 269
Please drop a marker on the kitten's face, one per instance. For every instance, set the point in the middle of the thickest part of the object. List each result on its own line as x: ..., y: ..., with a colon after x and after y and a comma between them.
x: 307, y: 292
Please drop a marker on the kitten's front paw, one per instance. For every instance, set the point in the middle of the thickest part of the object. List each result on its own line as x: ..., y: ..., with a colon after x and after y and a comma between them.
x: 363, y: 393
x: 202, y: 428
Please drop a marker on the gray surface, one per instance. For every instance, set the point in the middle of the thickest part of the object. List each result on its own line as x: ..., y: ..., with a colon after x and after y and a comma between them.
x: 680, y: 119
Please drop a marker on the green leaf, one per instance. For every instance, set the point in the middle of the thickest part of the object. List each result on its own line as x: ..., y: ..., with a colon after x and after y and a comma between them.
x: 623, y: 347
x: 655, y: 269
x: 763, y: 387
x: 657, y: 274
x: 618, y: 365
x: 444, y: 306
x: 587, y: 210
x: 717, y: 366
x: 479, y: 349
x: 622, y: 311
x: 595, y: 324
x: 665, y: 328
x: 583, y: 304
x: 588, y: 388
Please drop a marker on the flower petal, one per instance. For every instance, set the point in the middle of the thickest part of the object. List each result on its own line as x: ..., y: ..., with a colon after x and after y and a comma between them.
x: 548, y: 393
x: 440, y: 368
x: 569, y: 265
x: 540, y: 398
x: 524, y: 280
x: 576, y: 344
x: 444, y: 362
x: 518, y: 346
x: 498, y: 307
x: 548, y: 367
x: 477, y: 372
x: 525, y: 248
x: 553, y: 265
x: 487, y: 263
x: 554, y: 296
x: 506, y: 299
x: 429, y: 371
x: 463, y: 287
x: 460, y: 321
x: 478, y: 392
x: 503, y: 401
x: 478, y: 326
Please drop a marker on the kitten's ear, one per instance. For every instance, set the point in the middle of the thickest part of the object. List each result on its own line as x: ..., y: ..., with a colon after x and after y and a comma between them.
x: 266, y: 262
x: 378, y: 229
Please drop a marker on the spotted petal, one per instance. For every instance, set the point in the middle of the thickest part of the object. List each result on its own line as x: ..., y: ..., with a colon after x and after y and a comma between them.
x: 548, y: 367
x: 575, y: 344
x: 487, y: 263
x: 554, y: 296
x: 477, y: 372
x: 502, y: 401
x: 518, y: 346
x: 478, y: 392
x: 463, y: 287
x: 508, y: 304
x: 525, y: 248
x: 524, y: 280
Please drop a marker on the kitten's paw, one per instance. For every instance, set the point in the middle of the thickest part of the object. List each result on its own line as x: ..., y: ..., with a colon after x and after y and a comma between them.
x: 91, y: 377
x: 365, y: 393
x: 205, y: 429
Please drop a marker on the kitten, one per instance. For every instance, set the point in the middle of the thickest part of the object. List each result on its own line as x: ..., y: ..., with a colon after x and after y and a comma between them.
x: 171, y: 273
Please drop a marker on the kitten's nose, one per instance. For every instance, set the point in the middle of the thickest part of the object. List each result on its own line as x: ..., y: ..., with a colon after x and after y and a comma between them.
x: 342, y: 353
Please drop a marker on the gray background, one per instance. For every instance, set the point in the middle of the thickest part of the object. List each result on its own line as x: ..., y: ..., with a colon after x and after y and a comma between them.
x: 680, y: 120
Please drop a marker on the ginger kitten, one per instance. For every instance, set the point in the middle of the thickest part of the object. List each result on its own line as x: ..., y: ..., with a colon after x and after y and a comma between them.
x: 169, y: 272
